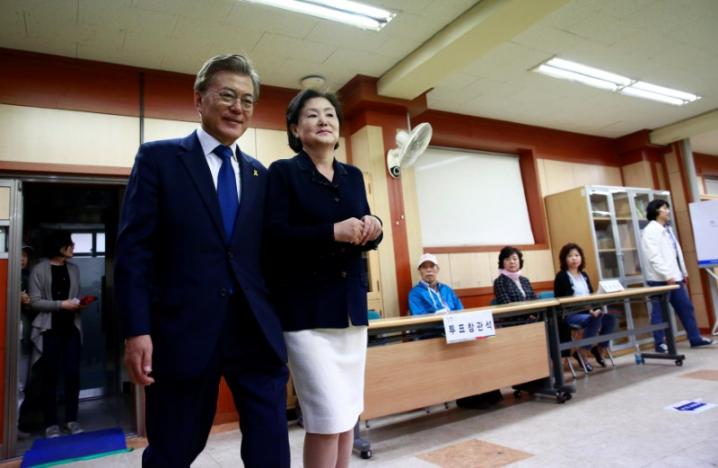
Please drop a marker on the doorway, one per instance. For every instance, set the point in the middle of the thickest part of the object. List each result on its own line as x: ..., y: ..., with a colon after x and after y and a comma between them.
x: 89, y: 210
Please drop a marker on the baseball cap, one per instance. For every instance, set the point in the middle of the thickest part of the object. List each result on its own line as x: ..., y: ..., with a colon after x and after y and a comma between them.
x: 427, y: 257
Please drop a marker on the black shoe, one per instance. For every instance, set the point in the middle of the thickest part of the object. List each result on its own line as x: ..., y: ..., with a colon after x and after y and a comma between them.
x: 702, y: 342
x: 583, y: 363
x: 596, y: 351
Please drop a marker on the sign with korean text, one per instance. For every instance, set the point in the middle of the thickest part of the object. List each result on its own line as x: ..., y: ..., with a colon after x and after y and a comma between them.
x: 694, y: 406
x: 467, y: 326
x: 609, y: 286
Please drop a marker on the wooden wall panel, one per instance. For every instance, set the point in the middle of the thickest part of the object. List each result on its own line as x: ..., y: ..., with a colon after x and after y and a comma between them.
x: 706, y: 164
x: 661, y: 176
x: 413, y: 221
x: 469, y: 270
x: 367, y: 154
x: 638, y: 174
x: 31, y: 134
x: 271, y: 145
x: 4, y: 203
x: 162, y: 129
x: 169, y: 96
x: 82, y: 85
x: 226, y: 410
x: 559, y: 176
x: 538, y: 265
x: 40, y: 80
x: 464, y: 131
x: 390, y: 124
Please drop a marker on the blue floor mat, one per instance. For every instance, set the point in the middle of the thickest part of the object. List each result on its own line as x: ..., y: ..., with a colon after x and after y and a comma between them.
x: 78, y: 446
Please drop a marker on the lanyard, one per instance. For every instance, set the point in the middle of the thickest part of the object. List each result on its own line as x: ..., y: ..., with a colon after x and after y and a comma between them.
x: 673, y: 240
x: 435, y: 295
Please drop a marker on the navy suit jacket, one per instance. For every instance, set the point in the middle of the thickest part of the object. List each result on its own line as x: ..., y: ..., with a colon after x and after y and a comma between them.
x: 317, y: 282
x: 175, y: 269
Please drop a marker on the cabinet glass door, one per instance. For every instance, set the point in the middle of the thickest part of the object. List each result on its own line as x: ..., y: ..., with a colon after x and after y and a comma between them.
x: 605, y: 236
x: 627, y: 241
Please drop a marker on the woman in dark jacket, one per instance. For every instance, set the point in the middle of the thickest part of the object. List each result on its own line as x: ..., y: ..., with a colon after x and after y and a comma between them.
x: 573, y: 281
x: 510, y: 286
x: 319, y: 225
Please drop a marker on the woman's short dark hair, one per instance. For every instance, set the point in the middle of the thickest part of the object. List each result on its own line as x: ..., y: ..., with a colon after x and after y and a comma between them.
x: 563, y: 254
x: 55, y: 242
x: 295, y: 109
x: 508, y: 251
x: 653, y: 207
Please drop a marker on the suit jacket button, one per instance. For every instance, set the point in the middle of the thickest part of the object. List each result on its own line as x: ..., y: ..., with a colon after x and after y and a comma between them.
x: 223, y: 292
x: 343, y: 274
x: 230, y: 254
x: 336, y: 199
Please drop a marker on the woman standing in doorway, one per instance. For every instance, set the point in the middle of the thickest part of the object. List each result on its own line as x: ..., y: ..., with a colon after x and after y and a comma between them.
x: 57, y: 330
x: 319, y: 225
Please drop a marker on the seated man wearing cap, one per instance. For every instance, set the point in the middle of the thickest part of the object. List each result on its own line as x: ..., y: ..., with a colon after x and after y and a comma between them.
x: 429, y: 296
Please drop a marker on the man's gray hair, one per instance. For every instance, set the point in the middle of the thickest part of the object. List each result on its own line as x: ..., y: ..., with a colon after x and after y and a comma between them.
x: 234, y: 63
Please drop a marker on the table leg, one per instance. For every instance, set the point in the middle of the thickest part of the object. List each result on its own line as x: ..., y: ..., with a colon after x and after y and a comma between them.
x: 670, y: 336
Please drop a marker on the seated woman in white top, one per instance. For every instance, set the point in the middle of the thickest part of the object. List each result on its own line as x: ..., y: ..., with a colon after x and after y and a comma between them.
x: 573, y: 281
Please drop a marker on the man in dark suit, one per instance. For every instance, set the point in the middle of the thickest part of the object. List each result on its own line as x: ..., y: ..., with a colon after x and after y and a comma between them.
x: 189, y: 283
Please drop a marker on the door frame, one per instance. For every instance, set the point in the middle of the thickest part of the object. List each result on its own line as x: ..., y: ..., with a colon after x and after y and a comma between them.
x: 15, y: 181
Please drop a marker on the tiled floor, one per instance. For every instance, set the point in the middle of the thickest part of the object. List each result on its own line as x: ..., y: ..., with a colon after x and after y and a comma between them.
x: 617, y: 418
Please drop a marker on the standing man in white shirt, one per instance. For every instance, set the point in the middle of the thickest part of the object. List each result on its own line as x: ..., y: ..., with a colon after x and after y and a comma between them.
x: 665, y: 265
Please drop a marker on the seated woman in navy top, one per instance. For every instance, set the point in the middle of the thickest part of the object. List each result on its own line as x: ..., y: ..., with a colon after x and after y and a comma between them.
x: 573, y: 281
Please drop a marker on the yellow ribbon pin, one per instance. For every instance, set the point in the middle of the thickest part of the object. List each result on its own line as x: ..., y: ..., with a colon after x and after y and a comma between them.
x: 255, y: 173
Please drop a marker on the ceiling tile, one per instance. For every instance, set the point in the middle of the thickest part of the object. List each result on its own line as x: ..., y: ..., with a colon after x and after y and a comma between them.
x: 548, y: 39
x: 365, y: 63
x: 290, y: 47
x: 272, y: 20
x: 622, y: 8
x: 12, y: 24
x: 402, y: 6
x: 205, y: 10
x: 224, y: 36
x: 347, y: 37
x: 411, y: 27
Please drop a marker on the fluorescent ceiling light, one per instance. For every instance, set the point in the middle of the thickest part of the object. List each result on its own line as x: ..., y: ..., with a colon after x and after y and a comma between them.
x: 652, y: 96
x: 344, y: 11
x: 589, y: 71
x: 642, y: 85
x: 573, y: 76
x: 568, y: 70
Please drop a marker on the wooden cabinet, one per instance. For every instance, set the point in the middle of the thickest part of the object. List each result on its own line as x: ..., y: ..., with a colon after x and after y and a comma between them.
x: 606, y: 222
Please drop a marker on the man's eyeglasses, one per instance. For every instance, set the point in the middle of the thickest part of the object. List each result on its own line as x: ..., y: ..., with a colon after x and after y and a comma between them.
x: 228, y: 98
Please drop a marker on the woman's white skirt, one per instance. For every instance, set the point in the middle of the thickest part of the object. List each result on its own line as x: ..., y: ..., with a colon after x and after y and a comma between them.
x: 327, y: 367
